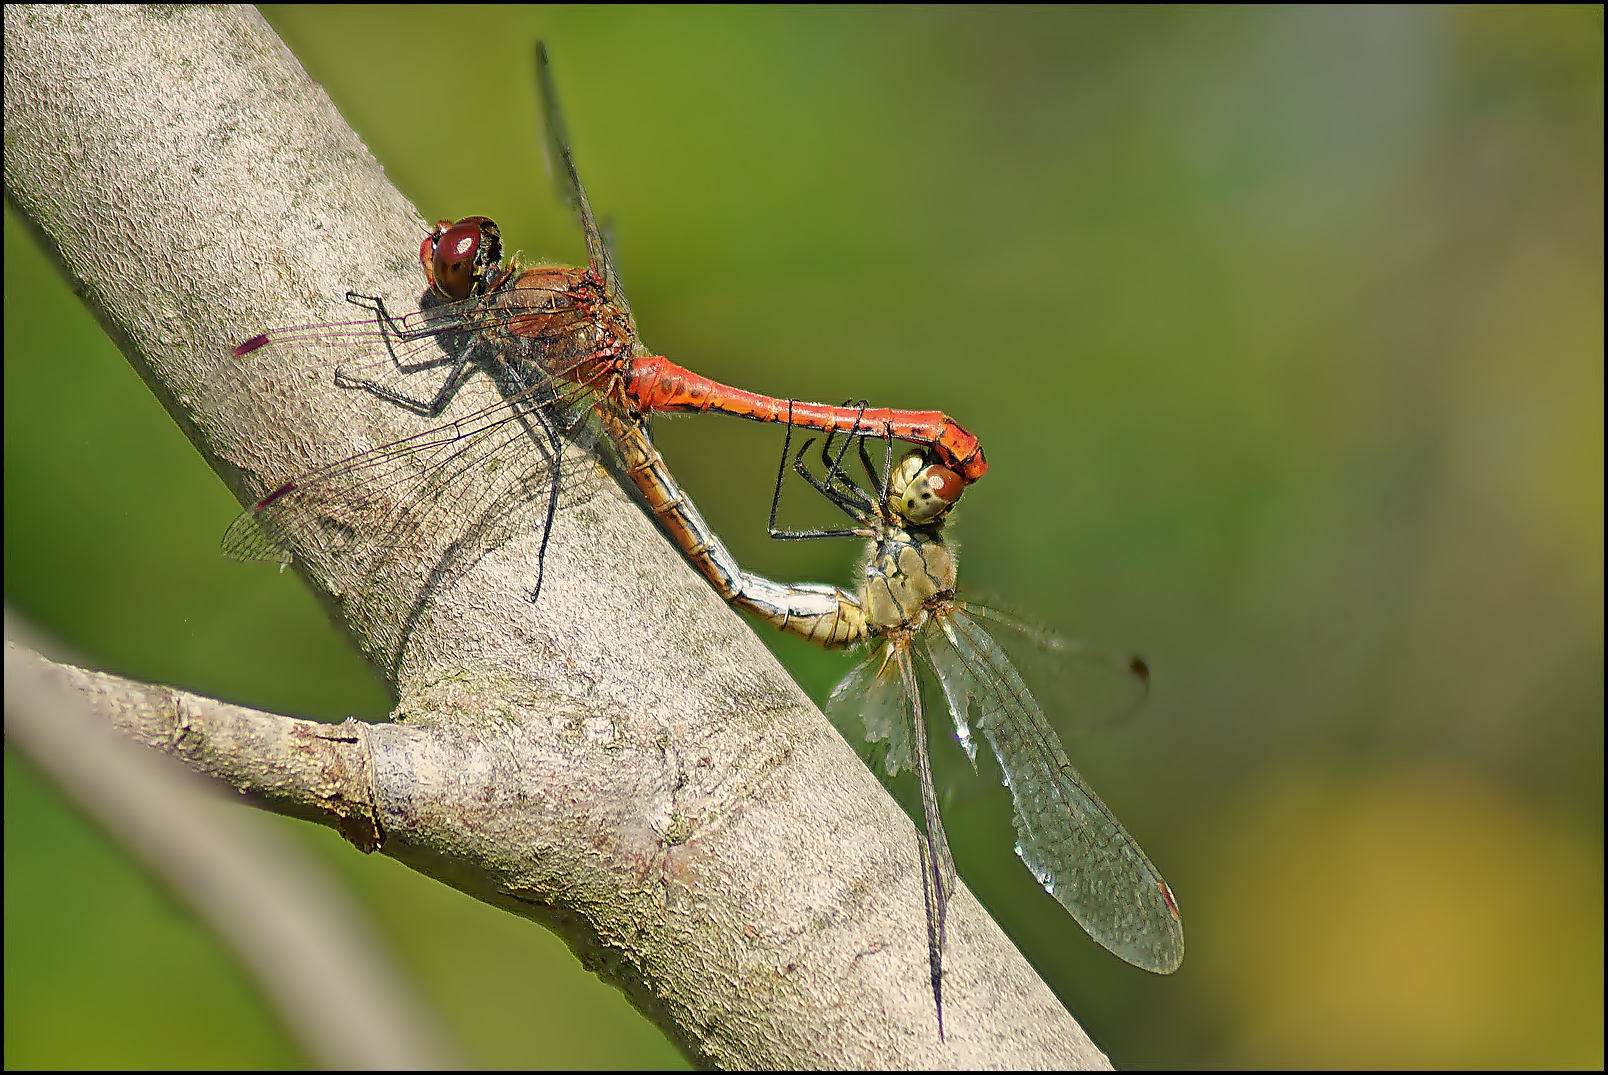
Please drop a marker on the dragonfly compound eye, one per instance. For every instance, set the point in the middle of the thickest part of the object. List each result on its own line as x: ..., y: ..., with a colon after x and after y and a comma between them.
x: 930, y: 493
x: 463, y: 257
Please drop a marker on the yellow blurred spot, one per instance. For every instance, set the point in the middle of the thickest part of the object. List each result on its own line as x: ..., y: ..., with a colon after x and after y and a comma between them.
x: 1421, y: 920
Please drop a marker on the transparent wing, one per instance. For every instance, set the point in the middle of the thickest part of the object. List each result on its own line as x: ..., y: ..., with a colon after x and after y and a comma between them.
x: 531, y: 341
x: 1082, y: 688
x: 938, y: 863
x: 1079, y: 852
x: 489, y: 465
x: 561, y: 162
x: 534, y: 338
x: 868, y: 707
x: 880, y: 702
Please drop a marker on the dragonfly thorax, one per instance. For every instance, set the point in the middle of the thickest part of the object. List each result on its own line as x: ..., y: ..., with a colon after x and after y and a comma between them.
x: 559, y: 318
x: 908, y: 576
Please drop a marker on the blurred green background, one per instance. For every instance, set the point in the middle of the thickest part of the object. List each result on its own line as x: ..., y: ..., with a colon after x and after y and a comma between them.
x: 1283, y: 329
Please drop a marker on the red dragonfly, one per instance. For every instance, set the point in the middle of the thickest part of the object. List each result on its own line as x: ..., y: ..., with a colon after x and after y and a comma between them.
x: 562, y: 348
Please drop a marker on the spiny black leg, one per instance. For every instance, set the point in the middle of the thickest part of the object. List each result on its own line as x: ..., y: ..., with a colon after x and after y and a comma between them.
x: 851, y: 488
x: 391, y: 331
x: 798, y: 463
x: 433, y: 408
x: 843, y: 502
x: 835, y: 475
x: 843, y: 487
x: 376, y: 306
x: 834, y: 465
x: 887, y: 471
x: 557, y: 449
x: 781, y: 470
x: 865, y: 462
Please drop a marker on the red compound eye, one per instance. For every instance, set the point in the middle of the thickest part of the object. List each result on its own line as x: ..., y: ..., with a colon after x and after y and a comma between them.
x: 454, y: 262
x: 931, y: 493
x: 945, y: 484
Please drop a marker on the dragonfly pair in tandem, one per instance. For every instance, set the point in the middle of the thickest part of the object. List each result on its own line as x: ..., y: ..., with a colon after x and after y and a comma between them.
x: 562, y: 348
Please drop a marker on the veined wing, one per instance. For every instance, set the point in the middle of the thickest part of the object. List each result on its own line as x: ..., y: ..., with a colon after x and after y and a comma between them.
x: 561, y: 162
x: 881, y: 701
x: 540, y: 328
x: 938, y: 873
x: 1081, y: 688
x: 868, y: 707
x: 1068, y: 838
x: 489, y: 465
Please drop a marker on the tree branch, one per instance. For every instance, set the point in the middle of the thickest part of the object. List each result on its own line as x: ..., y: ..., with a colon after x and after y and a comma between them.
x: 298, y: 935
x: 622, y: 761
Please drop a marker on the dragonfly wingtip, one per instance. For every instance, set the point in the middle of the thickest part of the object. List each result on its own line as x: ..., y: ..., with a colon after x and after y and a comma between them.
x: 1137, y: 665
x: 257, y: 341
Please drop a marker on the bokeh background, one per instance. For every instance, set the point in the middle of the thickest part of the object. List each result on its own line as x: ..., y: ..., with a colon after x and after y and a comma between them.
x: 1283, y: 329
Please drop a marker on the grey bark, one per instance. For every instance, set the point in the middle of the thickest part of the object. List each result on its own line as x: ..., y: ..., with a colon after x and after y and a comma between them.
x: 294, y: 930
x: 622, y: 761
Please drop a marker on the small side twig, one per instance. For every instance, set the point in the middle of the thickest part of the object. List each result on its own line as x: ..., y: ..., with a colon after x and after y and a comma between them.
x: 298, y: 935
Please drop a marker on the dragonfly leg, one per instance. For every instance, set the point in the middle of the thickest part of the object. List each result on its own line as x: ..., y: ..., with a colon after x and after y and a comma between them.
x: 834, y: 463
x: 870, y: 470
x: 392, y: 329
x: 391, y: 332
x: 462, y: 367
x: 554, y: 450
x: 822, y: 488
x: 428, y: 408
x: 847, y: 486
x: 849, y: 500
x: 844, y: 503
x: 886, y: 483
x: 781, y: 471
x: 376, y: 306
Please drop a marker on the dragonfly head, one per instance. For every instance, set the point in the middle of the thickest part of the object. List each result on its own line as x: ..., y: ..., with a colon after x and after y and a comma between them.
x: 463, y: 259
x: 920, y: 491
